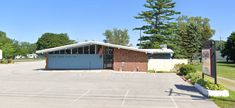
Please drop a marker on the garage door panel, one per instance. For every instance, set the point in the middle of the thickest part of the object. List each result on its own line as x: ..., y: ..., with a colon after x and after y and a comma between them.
x: 91, y: 61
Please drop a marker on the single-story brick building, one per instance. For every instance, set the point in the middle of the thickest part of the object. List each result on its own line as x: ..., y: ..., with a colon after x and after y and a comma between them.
x: 99, y: 55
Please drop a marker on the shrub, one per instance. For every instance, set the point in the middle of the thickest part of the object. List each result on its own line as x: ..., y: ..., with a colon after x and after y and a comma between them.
x: 10, y: 61
x: 185, y: 69
x: 209, y: 85
x: 4, y: 61
x: 151, y: 71
x: 177, y: 68
x: 193, y: 77
x: 201, y: 82
x: 212, y: 86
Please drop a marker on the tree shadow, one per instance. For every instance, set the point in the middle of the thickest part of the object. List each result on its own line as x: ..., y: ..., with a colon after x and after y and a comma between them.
x: 196, y: 97
x: 189, y: 89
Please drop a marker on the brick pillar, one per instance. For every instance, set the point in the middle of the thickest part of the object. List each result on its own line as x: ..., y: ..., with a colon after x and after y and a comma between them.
x: 46, y: 67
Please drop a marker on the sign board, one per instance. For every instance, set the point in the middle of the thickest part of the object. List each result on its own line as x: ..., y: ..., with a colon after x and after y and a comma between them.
x: 0, y: 54
x: 209, y: 59
x: 206, y: 62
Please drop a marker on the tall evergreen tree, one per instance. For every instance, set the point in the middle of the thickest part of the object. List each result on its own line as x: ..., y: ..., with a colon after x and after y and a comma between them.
x: 160, y: 28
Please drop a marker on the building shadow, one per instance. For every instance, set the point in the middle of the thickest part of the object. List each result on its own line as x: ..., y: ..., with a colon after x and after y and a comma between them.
x: 43, y: 69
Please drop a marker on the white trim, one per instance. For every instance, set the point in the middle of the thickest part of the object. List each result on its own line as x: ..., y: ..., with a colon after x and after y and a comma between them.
x: 1, y: 55
x: 124, y: 98
x: 81, y: 96
x: 151, y: 51
x: 215, y: 93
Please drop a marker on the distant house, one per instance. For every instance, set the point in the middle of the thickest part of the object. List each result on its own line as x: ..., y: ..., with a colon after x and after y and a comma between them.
x: 219, y: 56
x: 32, y: 56
x: 99, y: 55
x: 19, y: 57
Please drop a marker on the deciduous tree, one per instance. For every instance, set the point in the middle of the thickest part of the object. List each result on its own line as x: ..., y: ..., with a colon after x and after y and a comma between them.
x: 24, y: 48
x: 50, y: 40
x: 6, y: 45
x: 117, y: 36
x: 192, y: 33
x: 229, y: 49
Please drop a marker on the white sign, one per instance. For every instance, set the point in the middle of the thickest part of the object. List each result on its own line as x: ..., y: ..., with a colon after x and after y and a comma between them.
x: 0, y: 54
x: 206, y: 61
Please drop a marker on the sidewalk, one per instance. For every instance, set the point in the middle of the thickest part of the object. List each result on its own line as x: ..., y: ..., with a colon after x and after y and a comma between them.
x: 228, y: 83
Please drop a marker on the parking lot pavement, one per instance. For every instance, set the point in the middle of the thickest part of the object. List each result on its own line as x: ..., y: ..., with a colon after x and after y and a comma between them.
x: 27, y: 85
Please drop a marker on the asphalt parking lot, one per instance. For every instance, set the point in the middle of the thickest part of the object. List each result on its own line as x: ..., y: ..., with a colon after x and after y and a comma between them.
x: 26, y: 85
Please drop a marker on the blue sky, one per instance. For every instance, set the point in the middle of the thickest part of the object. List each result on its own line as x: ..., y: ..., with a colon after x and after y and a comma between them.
x: 27, y: 20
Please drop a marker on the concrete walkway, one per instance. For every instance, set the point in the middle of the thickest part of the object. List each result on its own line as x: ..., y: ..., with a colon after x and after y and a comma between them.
x: 228, y: 83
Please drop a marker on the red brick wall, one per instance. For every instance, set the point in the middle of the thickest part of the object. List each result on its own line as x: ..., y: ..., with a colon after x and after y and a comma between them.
x: 130, y: 60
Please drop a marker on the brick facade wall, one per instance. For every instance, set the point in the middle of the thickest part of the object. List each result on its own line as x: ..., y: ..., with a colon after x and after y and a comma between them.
x: 126, y: 60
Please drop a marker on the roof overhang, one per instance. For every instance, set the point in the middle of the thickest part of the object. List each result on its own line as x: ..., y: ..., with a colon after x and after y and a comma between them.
x: 81, y: 44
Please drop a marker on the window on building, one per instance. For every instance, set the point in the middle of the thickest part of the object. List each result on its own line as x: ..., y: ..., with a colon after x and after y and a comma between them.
x: 75, y: 51
x: 99, y: 49
x: 86, y: 50
x: 62, y: 51
x: 68, y: 51
x: 57, y: 52
x: 51, y: 52
x: 92, y: 49
x: 80, y: 50
x: 111, y: 51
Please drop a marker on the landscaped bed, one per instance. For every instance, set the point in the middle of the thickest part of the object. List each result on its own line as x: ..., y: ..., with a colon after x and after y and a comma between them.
x: 215, y: 93
x: 190, y: 74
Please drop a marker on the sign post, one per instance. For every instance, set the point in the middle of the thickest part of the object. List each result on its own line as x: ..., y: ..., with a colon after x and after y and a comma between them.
x: 209, y: 60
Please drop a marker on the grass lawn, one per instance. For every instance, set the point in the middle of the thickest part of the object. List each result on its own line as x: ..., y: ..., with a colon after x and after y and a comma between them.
x: 226, y: 70
x: 225, y: 102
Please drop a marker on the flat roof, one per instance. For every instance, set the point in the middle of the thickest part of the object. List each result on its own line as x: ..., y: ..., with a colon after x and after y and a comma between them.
x: 81, y: 44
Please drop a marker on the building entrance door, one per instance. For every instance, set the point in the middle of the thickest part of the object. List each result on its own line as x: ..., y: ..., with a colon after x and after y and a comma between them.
x: 108, y: 58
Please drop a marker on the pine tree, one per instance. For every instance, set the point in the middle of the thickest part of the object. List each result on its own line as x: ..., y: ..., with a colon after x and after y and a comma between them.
x: 159, y: 28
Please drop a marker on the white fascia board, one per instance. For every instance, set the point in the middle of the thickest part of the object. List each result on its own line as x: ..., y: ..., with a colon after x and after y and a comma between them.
x: 152, y: 51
